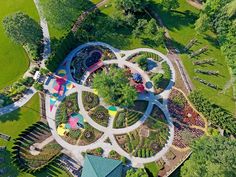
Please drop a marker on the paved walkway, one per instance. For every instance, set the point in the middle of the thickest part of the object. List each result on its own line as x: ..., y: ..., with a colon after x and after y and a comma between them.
x: 12, y: 107
x: 110, y: 132
x: 36, y: 147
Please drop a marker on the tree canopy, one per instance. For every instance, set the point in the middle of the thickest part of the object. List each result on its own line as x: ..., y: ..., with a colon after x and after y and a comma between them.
x: 22, y: 29
x: 25, y: 31
x: 170, y: 4
x: 114, y: 87
x: 131, y: 5
x: 138, y: 173
x: 211, y: 157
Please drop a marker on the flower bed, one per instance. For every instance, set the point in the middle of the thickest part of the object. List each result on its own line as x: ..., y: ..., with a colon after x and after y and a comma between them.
x: 68, y: 106
x: 89, y: 135
x: 180, y: 110
x: 185, y: 135
x: 120, y: 121
x: 90, y: 100
x: 114, y: 155
x: 147, y: 140
x: 100, y: 115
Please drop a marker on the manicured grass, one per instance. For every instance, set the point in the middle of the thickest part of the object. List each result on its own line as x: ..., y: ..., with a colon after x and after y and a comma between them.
x: 181, y: 29
x: 152, y: 169
x: 96, y: 1
x: 13, y: 59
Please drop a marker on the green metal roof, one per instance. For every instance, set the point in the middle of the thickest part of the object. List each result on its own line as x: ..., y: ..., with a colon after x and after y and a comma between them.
x: 95, y: 166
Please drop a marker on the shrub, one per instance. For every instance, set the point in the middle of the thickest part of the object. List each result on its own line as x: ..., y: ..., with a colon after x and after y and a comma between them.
x: 157, y: 80
x: 119, y: 120
x: 99, y: 150
x: 28, y: 81
x: 139, y: 153
x: 38, y: 86
x: 123, y: 159
x: 143, y: 153
x: 142, y: 62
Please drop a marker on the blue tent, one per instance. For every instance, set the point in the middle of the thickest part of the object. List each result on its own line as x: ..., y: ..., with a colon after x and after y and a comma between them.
x: 137, y: 77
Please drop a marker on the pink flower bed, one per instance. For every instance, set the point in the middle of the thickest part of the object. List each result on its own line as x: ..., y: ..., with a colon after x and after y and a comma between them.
x: 183, y: 112
x: 184, y: 135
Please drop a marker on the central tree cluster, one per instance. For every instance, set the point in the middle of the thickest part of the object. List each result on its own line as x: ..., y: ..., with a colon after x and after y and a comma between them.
x: 114, y: 87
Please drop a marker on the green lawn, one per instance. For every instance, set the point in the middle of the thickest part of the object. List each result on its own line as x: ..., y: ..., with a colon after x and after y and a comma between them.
x: 12, y: 124
x: 152, y: 169
x: 96, y: 1
x: 181, y: 29
x: 13, y: 60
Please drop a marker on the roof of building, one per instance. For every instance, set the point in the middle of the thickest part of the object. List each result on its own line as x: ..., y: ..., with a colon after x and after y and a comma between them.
x: 95, y: 166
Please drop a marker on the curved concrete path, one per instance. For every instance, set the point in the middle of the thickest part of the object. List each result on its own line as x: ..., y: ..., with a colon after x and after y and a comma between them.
x: 109, y: 132
x: 14, y: 106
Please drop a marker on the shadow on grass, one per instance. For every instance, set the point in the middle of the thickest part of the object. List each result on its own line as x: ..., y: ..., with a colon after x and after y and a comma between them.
x: 13, y: 116
x: 51, y: 170
x: 175, y: 19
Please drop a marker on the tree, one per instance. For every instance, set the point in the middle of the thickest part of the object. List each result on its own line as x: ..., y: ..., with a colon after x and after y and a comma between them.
x: 131, y: 5
x: 22, y: 29
x: 170, y: 4
x: 38, y: 86
x: 211, y: 157
x: 151, y: 27
x: 141, y: 172
x: 114, y: 87
x: 141, y: 25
